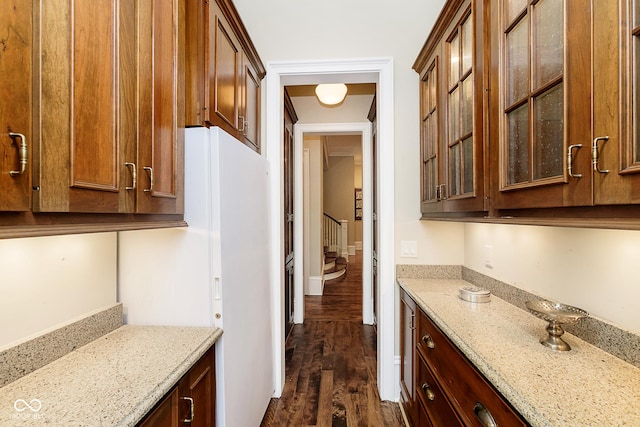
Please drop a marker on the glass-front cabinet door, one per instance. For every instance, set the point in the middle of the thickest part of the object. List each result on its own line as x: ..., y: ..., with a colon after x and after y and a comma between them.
x: 565, y: 128
x: 451, y: 67
x: 540, y: 124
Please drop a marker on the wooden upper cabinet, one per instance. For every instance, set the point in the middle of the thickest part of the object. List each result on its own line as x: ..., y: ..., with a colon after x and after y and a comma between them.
x: 16, y: 138
x: 110, y: 107
x: 451, y: 68
x: 223, y: 72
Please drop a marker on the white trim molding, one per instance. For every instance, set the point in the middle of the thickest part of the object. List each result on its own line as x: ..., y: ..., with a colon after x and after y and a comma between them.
x: 357, y: 70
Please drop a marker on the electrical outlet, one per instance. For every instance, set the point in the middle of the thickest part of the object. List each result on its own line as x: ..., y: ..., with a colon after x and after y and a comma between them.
x: 488, y: 256
x: 409, y: 248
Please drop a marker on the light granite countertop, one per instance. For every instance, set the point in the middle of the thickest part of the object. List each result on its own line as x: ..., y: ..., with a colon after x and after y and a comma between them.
x: 112, y: 381
x: 582, y: 387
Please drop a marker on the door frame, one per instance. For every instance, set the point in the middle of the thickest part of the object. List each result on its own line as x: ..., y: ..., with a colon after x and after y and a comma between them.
x: 364, y: 130
x: 358, y: 70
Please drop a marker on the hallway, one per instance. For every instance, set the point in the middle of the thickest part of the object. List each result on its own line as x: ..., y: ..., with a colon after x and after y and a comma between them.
x: 331, y: 363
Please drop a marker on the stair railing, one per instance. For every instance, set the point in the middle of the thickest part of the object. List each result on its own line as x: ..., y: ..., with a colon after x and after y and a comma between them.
x: 335, y: 235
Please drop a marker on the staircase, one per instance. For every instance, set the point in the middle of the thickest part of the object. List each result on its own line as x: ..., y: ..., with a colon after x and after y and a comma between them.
x: 334, y: 266
x: 335, y: 248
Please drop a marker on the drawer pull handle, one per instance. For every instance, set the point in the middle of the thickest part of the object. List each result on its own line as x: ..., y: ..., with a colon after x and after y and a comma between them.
x: 484, y: 415
x: 428, y: 341
x: 191, y: 409
x: 427, y: 390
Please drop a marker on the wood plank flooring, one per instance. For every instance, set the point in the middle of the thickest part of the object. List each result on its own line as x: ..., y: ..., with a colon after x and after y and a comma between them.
x: 331, y: 366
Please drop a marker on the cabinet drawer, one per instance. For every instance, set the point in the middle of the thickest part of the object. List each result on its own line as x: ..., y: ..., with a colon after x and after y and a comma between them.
x: 433, y: 399
x: 470, y: 393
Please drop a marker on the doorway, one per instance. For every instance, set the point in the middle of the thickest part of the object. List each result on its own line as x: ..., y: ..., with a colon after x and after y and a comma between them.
x: 380, y: 72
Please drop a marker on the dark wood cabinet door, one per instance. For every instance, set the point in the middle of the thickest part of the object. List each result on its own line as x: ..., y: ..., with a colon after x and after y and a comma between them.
x: 407, y: 356
x: 616, y: 97
x: 165, y: 414
x: 86, y: 104
x: 160, y: 106
x: 15, y: 105
x: 249, y: 119
x: 225, y: 57
x: 541, y: 98
x: 290, y: 118
x: 196, y: 65
x: 197, y: 392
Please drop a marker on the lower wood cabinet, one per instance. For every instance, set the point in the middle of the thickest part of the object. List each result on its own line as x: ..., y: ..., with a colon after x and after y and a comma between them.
x: 191, y: 401
x: 447, y: 389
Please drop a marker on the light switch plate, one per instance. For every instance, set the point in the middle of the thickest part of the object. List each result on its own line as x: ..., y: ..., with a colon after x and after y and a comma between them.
x: 409, y: 248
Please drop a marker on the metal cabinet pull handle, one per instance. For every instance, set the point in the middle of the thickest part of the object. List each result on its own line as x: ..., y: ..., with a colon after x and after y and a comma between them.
x: 427, y: 390
x: 594, y: 153
x: 242, y: 123
x: 191, y: 409
x: 23, y: 153
x: 428, y: 341
x: 570, y: 161
x: 413, y: 321
x: 150, y: 170
x: 134, y: 175
x: 484, y: 415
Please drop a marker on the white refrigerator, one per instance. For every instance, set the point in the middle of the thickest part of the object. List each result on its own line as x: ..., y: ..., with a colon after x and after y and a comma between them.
x: 215, y: 272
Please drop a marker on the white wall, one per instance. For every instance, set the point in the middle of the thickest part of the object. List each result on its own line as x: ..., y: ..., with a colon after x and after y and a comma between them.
x: 295, y: 30
x: 338, y: 194
x: 596, y: 270
x: 313, y: 238
x: 51, y: 281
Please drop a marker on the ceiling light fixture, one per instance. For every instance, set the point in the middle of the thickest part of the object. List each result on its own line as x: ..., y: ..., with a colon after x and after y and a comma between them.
x: 331, y: 94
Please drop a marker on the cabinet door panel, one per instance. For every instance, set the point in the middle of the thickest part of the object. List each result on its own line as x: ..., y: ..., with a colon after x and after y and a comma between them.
x: 94, y: 91
x: 165, y: 414
x: 224, y: 69
x: 543, y: 105
x: 15, y: 104
x: 83, y: 64
x: 160, y: 107
x: 251, y: 105
x: 407, y: 355
x: 199, y: 385
x: 616, y: 102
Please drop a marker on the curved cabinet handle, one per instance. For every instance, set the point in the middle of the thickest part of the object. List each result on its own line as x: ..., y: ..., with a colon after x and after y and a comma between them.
x: 242, y: 123
x: 428, y: 392
x: 428, y: 341
x: 594, y: 153
x: 191, y: 409
x: 134, y: 175
x: 484, y: 415
x: 570, y: 161
x: 150, y: 171
x: 23, y: 153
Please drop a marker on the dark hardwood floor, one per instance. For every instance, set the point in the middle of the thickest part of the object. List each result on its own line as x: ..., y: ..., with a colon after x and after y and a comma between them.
x: 331, y: 366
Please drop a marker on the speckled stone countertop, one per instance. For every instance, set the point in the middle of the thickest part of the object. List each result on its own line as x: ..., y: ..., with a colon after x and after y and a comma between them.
x: 582, y: 387
x: 112, y: 381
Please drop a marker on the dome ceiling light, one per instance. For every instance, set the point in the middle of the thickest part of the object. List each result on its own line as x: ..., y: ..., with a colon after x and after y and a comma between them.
x: 331, y: 94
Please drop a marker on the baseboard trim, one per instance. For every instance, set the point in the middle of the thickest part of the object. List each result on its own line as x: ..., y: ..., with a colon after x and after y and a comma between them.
x: 316, y: 285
